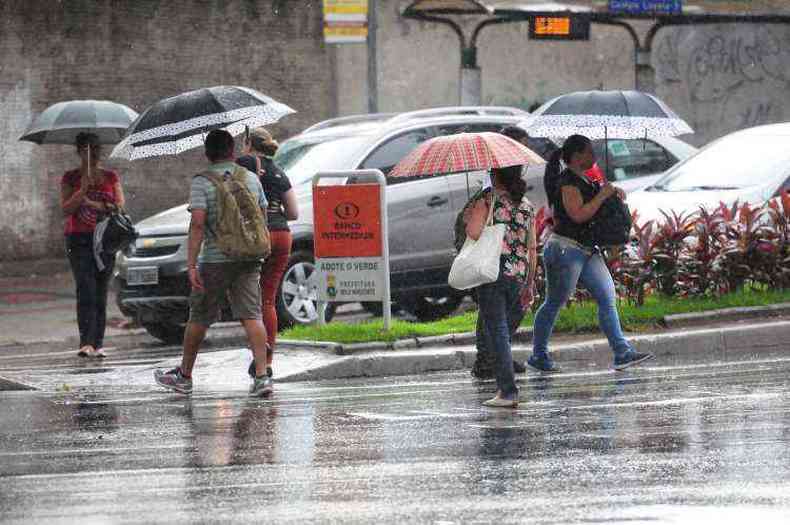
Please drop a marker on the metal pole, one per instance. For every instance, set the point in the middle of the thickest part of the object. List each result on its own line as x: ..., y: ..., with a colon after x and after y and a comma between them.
x: 471, y: 80
x: 373, y: 90
x: 385, y: 249
x: 606, y: 154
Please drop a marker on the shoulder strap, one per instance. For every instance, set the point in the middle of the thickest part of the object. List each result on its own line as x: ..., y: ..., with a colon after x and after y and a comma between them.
x: 214, y: 179
x: 210, y: 175
x: 490, y: 220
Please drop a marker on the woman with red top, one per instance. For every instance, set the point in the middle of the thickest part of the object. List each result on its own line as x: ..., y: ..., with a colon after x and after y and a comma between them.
x: 258, y: 149
x: 86, y: 193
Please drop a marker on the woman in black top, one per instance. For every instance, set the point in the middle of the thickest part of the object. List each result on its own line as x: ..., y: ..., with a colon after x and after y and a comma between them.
x: 570, y: 255
x: 259, y: 147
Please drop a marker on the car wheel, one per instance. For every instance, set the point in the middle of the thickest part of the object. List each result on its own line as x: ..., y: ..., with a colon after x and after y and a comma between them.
x: 297, y: 298
x: 171, y: 334
x: 430, y: 308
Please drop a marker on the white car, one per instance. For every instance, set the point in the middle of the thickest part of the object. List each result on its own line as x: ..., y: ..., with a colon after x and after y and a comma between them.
x: 749, y: 166
x: 632, y: 164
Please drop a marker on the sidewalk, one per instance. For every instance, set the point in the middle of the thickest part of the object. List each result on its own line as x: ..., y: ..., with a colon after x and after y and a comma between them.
x: 41, y: 309
x: 38, y: 318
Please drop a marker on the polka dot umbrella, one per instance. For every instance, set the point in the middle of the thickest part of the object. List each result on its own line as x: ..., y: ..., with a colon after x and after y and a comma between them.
x: 177, y: 124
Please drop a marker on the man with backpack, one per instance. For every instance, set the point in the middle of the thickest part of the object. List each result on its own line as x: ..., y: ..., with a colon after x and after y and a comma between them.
x: 228, y: 237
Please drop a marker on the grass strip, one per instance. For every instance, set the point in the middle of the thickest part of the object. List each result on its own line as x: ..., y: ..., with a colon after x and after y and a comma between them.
x: 575, y: 318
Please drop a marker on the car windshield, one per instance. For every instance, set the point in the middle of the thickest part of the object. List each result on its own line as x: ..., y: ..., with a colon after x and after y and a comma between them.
x: 731, y: 163
x: 303, y: 158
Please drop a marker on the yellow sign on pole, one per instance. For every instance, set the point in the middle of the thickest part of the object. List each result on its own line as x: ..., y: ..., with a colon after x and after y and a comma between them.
x: 345, y: 21
x: 346, y: 7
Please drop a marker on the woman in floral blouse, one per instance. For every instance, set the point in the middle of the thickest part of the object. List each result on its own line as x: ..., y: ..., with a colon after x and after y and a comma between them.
x: 516, y: 274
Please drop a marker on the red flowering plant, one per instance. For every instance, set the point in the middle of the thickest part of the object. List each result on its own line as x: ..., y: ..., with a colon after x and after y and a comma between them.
x: 749, y: 252
x: 699, y: 272
x: 669, y: 245
x: 634, y: 273
x: 778, y: 212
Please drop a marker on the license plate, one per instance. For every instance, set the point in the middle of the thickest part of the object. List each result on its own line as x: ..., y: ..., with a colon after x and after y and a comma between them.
x: 142, y: 275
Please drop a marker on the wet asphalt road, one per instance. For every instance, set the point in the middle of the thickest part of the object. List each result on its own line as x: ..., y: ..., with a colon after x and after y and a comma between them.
x: 701, y: 443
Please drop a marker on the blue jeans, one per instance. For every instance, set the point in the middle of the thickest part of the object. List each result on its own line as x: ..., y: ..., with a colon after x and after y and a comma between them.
x: 498, y: 301
x: 566, y: 264
x: 485, y: 355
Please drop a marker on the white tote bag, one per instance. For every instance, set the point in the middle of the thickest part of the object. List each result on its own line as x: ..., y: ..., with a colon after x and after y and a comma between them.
x: 478, y: 261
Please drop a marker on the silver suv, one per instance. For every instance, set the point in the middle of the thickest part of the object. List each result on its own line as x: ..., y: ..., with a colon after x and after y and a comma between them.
x: 152, y: 275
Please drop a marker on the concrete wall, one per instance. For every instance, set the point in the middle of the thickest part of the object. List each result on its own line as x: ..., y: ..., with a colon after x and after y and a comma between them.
x: 719, y: 78
x: 419, y: 63
x: 137, y: 52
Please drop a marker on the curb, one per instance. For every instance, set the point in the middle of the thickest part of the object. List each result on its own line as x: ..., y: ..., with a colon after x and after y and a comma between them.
x: 723, y: 314
x: 525, y: 332
x: 7, y: 385
x: 706, y: 344
x: 456, y: 339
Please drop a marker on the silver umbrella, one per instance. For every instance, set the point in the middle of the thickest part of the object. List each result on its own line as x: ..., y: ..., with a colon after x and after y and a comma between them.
x: 61, y: 123
x: 176, y: 124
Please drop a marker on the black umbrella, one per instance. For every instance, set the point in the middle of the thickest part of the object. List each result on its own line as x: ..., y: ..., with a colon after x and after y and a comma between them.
x: 605, y: 114
x: 180, y: 123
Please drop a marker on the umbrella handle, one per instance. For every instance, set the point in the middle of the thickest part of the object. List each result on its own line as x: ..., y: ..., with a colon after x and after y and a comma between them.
x: 606, y: 153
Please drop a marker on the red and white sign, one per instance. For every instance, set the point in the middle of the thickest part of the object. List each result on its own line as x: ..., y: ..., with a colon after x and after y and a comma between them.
x: 347, y: 221
x: 350, y: 240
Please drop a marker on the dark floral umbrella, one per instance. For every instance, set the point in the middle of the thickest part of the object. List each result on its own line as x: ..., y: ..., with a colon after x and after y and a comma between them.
x: 177, y: 124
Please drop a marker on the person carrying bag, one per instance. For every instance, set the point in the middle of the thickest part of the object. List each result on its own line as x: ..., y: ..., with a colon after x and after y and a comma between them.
x: 478, y: 261
x: 587, y: 218
x: 87, y: 193
x: 513, y: 251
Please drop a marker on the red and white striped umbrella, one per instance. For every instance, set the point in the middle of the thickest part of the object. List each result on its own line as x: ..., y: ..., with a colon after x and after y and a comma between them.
x: 464, y: 152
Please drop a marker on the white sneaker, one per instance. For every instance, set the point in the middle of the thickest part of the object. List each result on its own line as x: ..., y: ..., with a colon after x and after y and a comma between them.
x: 99, y: 352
